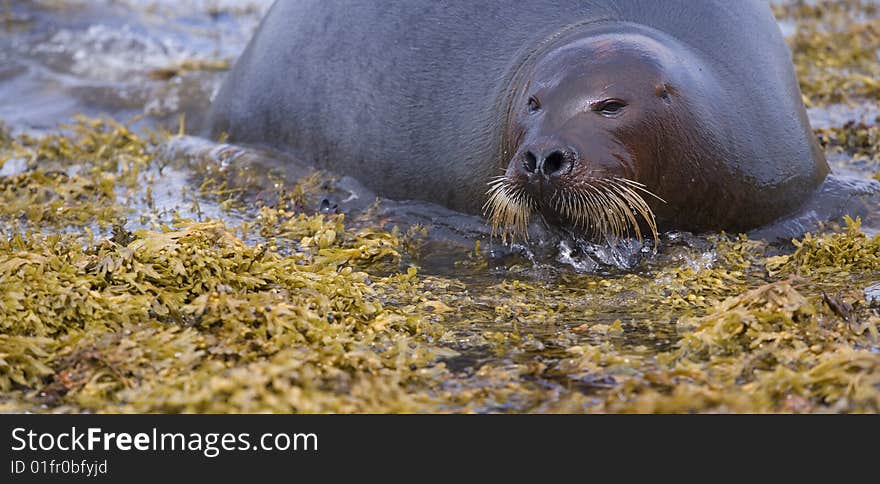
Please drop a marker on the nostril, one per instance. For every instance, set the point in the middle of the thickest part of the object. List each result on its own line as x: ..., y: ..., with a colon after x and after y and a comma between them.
x: 530, y: 162
x: 554, y: 163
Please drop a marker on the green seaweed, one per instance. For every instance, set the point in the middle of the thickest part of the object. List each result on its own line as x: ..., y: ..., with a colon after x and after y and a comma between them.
x: 833, y: 255
x: 835, y: 56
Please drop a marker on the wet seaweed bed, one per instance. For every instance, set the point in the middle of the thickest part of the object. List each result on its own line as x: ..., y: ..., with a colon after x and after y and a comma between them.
x: 135, y: 278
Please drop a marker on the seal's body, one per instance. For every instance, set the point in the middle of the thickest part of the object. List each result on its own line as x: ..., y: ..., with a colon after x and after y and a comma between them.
x: 571, y: 109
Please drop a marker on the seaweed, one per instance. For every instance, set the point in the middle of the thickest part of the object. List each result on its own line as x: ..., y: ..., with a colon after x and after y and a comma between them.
x: 835, y: 56
x: 833, y: 256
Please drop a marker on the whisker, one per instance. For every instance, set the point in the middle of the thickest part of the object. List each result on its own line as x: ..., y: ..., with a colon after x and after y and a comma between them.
x: 640, y: 187
x: 508, y: 209
x: 627, y: 207
x: 610, y: 209
x: 640, y: 205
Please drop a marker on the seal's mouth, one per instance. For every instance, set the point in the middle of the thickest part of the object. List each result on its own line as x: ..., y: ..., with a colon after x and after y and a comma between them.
x: 606, y: 209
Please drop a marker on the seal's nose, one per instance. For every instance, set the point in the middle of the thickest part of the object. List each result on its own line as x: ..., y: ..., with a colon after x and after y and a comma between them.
x: 548, y: 162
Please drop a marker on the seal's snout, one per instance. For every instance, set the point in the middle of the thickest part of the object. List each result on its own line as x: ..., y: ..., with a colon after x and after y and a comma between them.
x: 548, y: 162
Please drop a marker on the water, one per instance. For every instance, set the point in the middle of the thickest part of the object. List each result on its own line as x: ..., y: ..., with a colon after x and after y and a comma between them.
x: 107, y: 57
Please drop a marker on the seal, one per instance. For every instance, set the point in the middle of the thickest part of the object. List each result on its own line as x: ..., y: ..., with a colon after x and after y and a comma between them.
x: 607, y: 118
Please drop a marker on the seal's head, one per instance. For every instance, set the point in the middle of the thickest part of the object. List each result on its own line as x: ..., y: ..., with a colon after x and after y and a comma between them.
x: 595, y: 128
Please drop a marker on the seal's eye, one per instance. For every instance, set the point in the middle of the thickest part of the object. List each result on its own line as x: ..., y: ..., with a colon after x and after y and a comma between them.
x: 534, y: 106
x: 609, y: 107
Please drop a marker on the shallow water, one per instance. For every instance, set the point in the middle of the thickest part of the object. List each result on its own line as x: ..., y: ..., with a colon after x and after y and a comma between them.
x: 111, y: 57
x: 157, y: 63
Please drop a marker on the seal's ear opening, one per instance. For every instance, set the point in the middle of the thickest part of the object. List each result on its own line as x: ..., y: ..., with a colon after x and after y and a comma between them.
x: 665, y: 91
